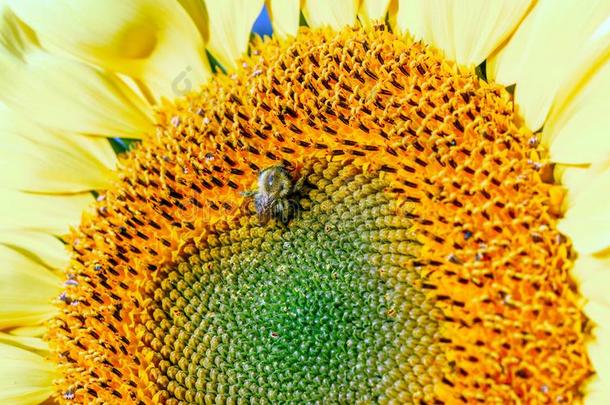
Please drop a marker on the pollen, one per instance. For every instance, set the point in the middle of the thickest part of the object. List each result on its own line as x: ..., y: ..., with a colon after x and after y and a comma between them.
x: 421, y: 263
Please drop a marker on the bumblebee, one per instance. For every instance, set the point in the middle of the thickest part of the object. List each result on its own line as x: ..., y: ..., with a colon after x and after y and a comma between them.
x: 275, y: 195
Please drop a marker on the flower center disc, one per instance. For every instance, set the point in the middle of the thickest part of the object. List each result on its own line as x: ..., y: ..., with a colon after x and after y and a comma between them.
x: 424, y: 264
x: 319, y: 311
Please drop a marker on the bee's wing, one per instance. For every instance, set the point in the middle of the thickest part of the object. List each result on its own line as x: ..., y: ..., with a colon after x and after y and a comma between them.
x: 299, y: 185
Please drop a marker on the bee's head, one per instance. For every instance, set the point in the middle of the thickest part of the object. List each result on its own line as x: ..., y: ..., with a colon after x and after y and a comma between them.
x: 274, y: 181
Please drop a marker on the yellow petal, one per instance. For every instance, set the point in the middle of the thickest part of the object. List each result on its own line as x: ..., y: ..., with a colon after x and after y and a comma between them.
x: 598, y: 350
x: 29, y: 331
x: 69, y: 96
x: 335, y: 14
x: 599, y: 353
x: 63, y: 93
x: 596, y: 391
x: 576, y: 178
x: 284, y: 16
x: 198, y: 13
x: 27, y: 290
x: 598, y: 313
x: 412, y: 19
x: 587, y: 221
x: 230, y: 25
x: 392, y: 15
x: 15, y: 38
x: 593, y: 276
x: 153, y: 40
x: 373, y: 10
x: 28, y: 166
x: 28, y: 338
x: 25, y: 377
x: 40, y: 247
x: 52, y: 214
x: 35, y: 159
x: 578, y: 128
x: 35, y: 344
x: 554, y: 41
x: 468, y: 32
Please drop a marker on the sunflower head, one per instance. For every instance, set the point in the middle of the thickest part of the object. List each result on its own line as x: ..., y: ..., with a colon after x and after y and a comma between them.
x: 350, y: 212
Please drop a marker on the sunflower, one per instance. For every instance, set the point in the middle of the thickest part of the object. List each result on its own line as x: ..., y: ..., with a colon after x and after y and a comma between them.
x: 381, y: 202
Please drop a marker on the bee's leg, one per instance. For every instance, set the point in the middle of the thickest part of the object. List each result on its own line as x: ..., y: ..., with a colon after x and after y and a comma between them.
x: 293, y: 207
x: 248, y: 193
x: 284, y: 212
x: 280, y: 211
x: 300, y: 183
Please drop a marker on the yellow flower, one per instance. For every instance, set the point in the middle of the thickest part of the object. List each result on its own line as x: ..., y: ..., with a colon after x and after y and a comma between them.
x: 433, y: 235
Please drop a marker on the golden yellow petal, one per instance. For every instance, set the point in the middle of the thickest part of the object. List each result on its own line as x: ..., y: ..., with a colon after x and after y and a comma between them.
x: 153, y: 40
x: 36, y: 159
x: 26, y: 291
x: 577, y: 130
x: 468, y: 32
x: 552, y: 44
x: 587, y: 220
x: 230, y: 25
x: 393, y: 14
x: 372, y: 10
x: 284, y: 16
x: 335, y: 14
x: 25, y: 377
x: 52, y: 214
x: 40, y: 247
x: 69, y: 96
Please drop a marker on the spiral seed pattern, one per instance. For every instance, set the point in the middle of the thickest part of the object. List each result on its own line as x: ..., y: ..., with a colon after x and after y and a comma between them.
x: 167, y: 297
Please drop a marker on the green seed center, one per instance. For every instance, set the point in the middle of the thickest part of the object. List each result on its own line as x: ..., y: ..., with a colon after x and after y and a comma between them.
x: 320, y: 310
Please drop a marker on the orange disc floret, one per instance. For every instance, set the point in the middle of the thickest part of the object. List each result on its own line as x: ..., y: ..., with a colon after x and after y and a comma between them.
x: 453, y: 156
